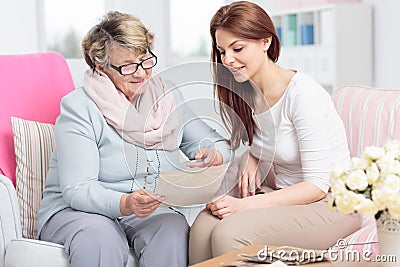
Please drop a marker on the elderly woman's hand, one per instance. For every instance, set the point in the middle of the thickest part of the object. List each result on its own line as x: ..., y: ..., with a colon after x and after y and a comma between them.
x: 206, y: 157
x: 141, y: 203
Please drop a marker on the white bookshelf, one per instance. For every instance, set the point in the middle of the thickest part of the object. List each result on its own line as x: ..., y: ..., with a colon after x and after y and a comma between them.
x: 341, y: 50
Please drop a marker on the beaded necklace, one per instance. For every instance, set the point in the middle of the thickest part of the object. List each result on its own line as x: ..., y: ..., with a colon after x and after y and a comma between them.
x: 148, y: 164
x: 136, y: 167
x: 148, y: 177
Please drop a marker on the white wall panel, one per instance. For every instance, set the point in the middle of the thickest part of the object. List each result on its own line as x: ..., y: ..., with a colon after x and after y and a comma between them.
x: 18, y: 26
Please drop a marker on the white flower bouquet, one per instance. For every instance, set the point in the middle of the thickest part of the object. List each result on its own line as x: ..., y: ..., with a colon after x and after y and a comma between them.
x: 372, y: 186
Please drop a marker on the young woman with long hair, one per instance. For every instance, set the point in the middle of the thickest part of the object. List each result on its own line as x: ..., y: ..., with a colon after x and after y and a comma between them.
x: 293, y: 132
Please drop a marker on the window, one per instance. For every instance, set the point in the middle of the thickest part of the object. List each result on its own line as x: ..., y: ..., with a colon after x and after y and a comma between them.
x: 190, y: 23
x: 67, y: 22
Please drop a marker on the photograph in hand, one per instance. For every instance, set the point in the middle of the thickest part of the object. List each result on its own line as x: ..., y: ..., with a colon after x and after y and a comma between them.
x: 183, y: 188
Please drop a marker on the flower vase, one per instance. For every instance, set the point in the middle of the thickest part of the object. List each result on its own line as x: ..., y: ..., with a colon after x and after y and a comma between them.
x: 388, y: 230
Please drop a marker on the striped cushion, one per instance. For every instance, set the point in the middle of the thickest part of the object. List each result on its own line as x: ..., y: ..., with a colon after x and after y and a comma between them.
x: 364, y: 240
x: 371, y: 116
x: 33, y: 144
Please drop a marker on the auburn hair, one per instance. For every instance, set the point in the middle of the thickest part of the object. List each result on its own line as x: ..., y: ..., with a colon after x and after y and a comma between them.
x: 249, y: 21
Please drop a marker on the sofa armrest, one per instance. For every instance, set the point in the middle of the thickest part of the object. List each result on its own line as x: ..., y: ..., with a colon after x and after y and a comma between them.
x: 10, y: 222
x: 22, y: 252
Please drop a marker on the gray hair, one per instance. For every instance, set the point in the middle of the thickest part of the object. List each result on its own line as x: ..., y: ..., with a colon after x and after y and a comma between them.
x: 115, y: 29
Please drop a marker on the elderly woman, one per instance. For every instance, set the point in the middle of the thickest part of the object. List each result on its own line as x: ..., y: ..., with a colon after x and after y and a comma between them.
x: 113, y: 138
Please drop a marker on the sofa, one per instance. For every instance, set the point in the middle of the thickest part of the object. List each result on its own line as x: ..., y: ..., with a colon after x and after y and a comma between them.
x: 31, y: 88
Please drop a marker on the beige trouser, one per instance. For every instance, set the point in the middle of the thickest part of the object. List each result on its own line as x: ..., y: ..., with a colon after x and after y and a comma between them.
x: 313, y: 226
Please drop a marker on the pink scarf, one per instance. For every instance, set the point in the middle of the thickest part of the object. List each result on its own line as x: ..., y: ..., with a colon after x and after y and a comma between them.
x: 153, y: 126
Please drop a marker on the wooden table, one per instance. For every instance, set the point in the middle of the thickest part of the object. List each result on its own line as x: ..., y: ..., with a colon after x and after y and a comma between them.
x: 253, y: 249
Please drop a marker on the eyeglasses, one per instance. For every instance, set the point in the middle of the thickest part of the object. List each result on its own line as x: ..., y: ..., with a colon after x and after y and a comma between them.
x: 131, y: 68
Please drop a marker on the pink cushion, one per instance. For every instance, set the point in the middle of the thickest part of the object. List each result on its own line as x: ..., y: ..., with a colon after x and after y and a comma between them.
x: 371, y: 116
x: 31, y: 87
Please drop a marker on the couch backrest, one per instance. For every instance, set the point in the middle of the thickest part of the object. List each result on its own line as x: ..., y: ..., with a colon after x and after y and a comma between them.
x: 371, y: 116
x: 31, y: 87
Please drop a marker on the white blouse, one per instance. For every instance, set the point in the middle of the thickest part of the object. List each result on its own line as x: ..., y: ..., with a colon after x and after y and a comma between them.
x: 302, y: 135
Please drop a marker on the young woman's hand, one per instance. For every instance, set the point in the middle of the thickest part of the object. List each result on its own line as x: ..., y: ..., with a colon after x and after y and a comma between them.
x: 227, y: 205
x: 206, y: 157
x: 249, y: 175
x: 140, y: 202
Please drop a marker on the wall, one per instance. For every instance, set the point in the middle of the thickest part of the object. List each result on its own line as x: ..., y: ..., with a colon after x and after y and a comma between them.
x: 18, y: 27
x: 386, y: 42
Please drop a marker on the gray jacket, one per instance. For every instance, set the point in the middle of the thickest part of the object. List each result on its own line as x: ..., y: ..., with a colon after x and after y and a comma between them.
x: 92, y: 166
